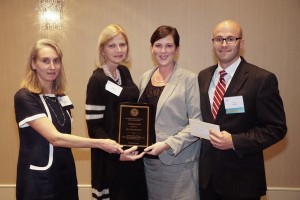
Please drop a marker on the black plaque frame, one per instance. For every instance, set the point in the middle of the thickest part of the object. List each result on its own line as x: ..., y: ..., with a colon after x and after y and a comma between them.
x: 135, y: 124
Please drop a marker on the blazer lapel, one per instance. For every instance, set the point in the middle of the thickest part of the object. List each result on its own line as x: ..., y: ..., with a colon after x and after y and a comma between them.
x: 145, y: 80
x: 206, y: 87
x: 169, y: 89
x: 238, y: 80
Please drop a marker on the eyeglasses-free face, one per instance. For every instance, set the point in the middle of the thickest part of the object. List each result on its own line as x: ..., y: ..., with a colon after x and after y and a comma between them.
x: 164, y: 51
x: 115, y: 51
x: 47, y: 67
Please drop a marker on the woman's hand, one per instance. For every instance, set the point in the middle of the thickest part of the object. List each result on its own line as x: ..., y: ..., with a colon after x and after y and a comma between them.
x: 156, y: 148
x: 110, y: 146
x: 131, y: 154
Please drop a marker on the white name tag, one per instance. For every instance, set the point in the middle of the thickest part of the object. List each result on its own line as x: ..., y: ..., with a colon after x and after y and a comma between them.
x: 64, y: 101
x: 113, y: 88
x: 234, y: 104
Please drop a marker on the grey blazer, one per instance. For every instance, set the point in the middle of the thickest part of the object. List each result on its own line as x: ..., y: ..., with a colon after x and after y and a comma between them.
x: 178, y: 102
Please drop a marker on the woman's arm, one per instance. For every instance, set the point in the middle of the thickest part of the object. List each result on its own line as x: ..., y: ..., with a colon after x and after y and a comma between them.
x: 45, y: 127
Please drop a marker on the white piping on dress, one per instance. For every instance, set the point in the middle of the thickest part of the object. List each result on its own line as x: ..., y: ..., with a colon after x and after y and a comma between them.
x: 24, y: 124
x: 50, y: 161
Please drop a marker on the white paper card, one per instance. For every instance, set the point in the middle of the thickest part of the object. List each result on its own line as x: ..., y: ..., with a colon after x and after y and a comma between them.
x: 201, y: 129
x: 64, y: 101
x: 113, y: 88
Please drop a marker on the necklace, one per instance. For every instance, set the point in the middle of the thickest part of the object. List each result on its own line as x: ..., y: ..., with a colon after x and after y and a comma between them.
x: 64, y: 120
x: 107, y: 73
x: 53, y: 100
x: 164, y: 80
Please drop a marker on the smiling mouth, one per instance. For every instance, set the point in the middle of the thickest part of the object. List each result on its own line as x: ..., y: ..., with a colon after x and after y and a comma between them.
x: 224, y: 51
x: 163, y: 57
x: 51, y: 73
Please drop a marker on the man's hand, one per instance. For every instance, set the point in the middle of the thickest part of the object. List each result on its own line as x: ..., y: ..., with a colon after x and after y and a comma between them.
x: 221, y: 140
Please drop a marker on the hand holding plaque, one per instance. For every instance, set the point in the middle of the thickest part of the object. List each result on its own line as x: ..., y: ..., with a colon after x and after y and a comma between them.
x: 134, y: 127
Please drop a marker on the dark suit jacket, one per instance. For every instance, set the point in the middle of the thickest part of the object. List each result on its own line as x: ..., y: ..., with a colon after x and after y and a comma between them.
x: 241, y: 172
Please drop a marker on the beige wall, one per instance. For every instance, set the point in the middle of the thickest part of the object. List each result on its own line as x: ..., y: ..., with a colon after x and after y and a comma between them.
x: 271, y: 32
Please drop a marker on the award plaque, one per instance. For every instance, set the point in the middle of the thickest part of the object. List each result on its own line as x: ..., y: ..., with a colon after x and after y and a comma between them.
x: 135, y: 124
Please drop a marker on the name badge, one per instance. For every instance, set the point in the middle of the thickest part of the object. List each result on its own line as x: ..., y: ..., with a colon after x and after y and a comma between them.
x: 113, y: 88
x: 64, y: 101
x: 234, y: 104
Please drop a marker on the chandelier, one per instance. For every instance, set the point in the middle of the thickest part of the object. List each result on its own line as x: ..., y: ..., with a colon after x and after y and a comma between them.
x: 50, y: 14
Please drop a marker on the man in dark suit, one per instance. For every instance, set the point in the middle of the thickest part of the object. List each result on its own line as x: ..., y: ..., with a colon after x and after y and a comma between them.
x: 251, y: 118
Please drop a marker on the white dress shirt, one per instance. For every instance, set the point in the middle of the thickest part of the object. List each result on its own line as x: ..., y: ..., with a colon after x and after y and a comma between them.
x: 230, y: 70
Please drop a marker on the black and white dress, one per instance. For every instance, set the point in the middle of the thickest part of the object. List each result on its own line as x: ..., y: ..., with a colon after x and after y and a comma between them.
x: 43, y: 171
x: 112, y: 179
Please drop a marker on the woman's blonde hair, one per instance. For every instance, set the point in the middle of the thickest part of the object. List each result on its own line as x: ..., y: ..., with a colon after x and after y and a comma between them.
x: 31, y: 81
x: 107, y: 34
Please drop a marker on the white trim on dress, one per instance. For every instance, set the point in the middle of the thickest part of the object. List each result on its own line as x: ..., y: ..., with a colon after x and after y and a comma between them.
x: 50, y: 161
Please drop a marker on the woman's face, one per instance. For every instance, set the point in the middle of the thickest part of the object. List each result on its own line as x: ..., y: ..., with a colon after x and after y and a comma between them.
x: 164, y: 51
x: 115, y: 50
x: 47, y: 66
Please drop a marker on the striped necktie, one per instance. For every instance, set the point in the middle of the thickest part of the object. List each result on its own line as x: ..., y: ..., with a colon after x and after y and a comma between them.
x: 219, y: 93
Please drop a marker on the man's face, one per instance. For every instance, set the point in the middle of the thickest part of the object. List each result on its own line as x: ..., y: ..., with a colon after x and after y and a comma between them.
x: 227, y: 53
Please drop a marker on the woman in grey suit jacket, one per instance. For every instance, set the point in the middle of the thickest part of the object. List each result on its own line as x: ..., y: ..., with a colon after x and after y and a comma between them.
x: 171, y: 162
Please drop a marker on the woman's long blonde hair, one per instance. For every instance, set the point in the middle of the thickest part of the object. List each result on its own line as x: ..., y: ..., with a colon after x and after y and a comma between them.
x: 31, y: 81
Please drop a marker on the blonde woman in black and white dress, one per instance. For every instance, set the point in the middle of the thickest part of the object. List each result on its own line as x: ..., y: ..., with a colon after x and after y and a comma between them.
x: 109, y: 85
x: 46, y: 168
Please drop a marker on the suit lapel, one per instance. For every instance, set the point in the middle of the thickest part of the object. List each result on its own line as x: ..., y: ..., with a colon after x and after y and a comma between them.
x: 208, y: 79
x: 238, y: 80
x: 206, y: 87
x: 169, y: 89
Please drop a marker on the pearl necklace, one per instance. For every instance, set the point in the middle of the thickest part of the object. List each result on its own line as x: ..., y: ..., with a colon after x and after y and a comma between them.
x: 164, y: 80
x: 64, y: 120
x: 107, y: 73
